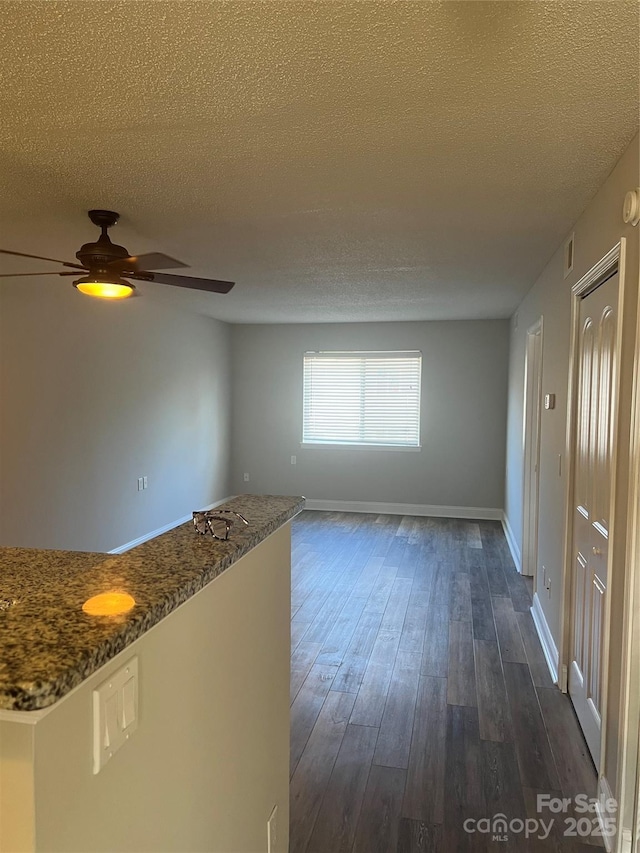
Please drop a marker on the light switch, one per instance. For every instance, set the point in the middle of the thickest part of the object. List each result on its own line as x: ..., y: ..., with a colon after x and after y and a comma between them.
x: 549, y: 401
x: 110, y: 720
x: 128, y: 703
x: 115, y: 713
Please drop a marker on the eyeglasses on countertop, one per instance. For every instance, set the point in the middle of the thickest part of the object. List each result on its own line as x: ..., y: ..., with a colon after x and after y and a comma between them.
x: 216, y: 522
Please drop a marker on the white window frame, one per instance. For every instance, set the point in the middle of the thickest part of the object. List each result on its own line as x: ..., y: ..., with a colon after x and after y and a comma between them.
x: 313, y: 441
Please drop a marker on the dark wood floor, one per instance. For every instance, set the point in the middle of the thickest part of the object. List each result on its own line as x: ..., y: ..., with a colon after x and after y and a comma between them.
x: 420, y: 694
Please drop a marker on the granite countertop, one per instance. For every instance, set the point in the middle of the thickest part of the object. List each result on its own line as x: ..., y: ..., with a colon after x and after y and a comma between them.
x: 48, y: 645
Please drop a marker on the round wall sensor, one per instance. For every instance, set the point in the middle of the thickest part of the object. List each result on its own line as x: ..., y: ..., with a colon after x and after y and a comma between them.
x: 631, y: 208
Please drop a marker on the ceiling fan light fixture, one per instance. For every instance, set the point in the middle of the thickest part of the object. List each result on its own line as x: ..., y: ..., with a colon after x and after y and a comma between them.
x: 102, y: 288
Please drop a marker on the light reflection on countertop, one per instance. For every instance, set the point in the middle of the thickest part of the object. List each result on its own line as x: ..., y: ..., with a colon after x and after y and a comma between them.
x: 109, y: 604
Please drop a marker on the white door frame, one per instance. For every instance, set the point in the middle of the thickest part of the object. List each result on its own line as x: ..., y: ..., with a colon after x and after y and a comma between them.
x: 628, y: 782
x: 614, y: 259
x: 531, y: 448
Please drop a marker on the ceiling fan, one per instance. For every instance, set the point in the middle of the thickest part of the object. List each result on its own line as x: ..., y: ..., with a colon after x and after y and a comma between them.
x: 109, y: 266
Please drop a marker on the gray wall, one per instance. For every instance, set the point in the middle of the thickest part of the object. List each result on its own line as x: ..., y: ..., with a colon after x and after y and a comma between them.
x: 94, y: 395
x: 464, y: 386
x: 597, y: 230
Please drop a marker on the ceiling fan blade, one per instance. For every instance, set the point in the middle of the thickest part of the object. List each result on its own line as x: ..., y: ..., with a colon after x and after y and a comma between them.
x: 41, y: 258
x: 150, y: 261
x: 210, y: 285
x: 49, y: 272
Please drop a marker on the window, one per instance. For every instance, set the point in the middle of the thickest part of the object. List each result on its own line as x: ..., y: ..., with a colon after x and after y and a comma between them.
x: 362, y: 398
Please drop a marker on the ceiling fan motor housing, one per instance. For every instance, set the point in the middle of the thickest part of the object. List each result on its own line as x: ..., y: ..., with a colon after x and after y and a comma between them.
x: 96, y: 255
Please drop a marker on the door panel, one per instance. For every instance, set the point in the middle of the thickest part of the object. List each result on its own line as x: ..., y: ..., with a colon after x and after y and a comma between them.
x: 579, y: 599
x: 583, y: 439
x: 604, y: 445
x: 598, y: 593
x: 593, y: 454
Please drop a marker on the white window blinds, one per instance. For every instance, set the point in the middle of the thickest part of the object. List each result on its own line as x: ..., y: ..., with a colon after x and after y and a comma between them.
x: 362, y: 398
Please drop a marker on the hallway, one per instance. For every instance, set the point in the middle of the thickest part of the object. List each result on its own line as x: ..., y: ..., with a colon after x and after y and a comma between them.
x: 421, y: 699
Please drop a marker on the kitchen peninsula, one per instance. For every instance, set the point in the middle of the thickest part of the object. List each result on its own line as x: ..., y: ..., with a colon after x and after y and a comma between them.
x: 207, y: 627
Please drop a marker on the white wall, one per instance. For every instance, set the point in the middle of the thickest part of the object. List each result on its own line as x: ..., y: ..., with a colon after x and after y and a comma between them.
x: 94, y: 395
x: 464, y: 383
x: 597, y: 230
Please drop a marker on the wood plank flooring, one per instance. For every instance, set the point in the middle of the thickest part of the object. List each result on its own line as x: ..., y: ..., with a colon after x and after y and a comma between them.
x: 420, y: 697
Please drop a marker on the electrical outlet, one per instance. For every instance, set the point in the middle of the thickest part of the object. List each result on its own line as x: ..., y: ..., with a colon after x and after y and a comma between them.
x: 272, y: 831
x: 246, y: 478
x: 548, y: 585
x: 140, y: 483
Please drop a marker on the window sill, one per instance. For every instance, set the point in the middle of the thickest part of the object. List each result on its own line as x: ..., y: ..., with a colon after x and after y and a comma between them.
x: 327, y: 445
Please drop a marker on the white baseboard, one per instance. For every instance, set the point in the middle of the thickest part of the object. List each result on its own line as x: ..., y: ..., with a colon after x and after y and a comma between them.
x: 606, y: 816
x: 164, y: 529
x: 626, y: 840
x: 511, y: 542
x: 435, y: 510
x: 546, y: 639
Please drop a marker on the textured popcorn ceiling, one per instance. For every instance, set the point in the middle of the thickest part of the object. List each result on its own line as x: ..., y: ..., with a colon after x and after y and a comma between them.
x: 339, y: 161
